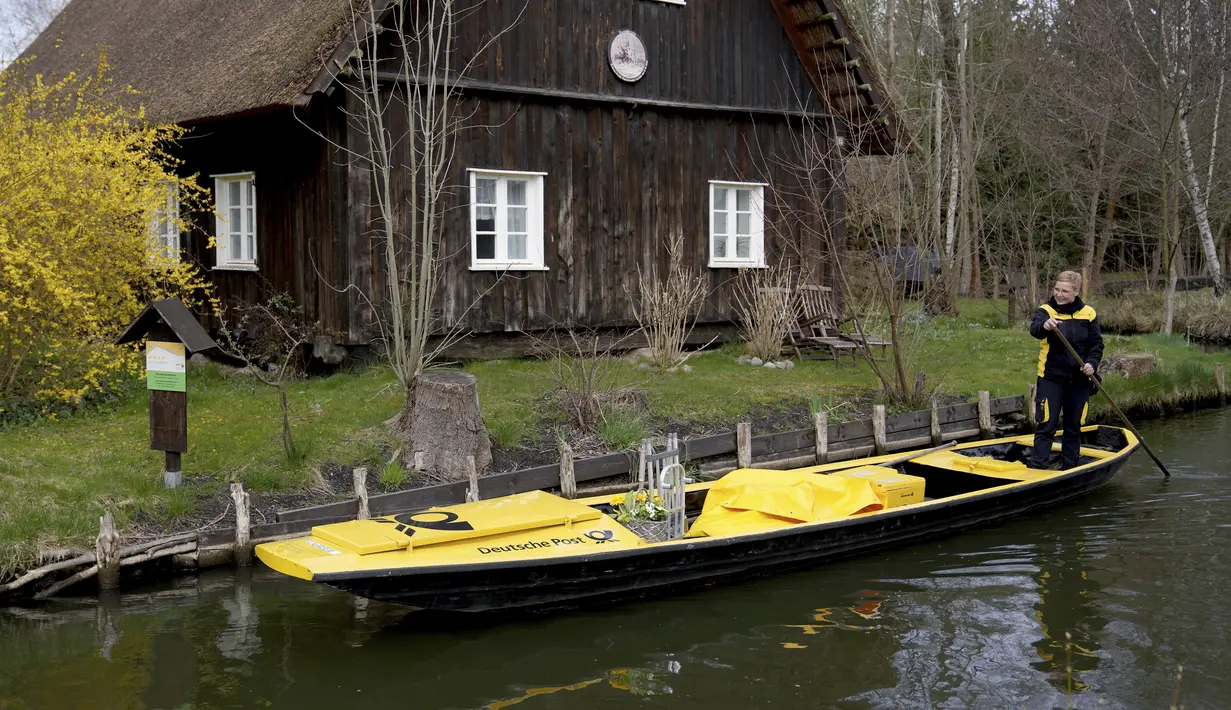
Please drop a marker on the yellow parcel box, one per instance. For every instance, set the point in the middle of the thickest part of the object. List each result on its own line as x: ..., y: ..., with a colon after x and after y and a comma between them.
x: 899, y: 488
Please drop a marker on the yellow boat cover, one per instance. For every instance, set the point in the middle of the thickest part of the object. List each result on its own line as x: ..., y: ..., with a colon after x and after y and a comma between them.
x: 522, y: 511
x: 754, y: 500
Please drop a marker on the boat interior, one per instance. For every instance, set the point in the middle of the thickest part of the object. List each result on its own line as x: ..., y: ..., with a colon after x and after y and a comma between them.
x: 941, y: 474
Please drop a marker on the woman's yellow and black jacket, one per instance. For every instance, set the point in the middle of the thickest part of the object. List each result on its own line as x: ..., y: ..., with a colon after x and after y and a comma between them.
x: 1080, y: 326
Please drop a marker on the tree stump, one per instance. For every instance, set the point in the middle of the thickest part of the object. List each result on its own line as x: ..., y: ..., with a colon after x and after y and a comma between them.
x: 1129, y: 365
x: 442, y: 422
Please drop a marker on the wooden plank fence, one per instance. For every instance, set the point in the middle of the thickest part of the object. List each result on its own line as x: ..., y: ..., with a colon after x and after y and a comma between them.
x: 846, y: 440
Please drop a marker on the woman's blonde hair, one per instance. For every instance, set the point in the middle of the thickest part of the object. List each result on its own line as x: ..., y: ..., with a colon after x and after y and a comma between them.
x: 1072, y: 277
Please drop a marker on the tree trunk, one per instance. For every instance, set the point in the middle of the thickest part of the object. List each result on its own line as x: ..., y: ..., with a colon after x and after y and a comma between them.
x: 966, y: 142
x: 288, y: 443
x: 1032, y: 273
x: 1196, y: 198
x: 1091, y: 236
x: 1100, y: 254
x: 442, y: 420
x: 1170, y: 237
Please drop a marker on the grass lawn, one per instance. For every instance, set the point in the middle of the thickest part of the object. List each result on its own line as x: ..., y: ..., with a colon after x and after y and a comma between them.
x: 58, y: 477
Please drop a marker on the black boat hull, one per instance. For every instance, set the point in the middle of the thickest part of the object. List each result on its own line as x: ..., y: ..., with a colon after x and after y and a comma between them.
x: 706, y: 561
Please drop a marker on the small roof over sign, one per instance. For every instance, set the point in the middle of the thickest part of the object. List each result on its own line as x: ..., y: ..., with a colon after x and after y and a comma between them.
x: 176, y: 316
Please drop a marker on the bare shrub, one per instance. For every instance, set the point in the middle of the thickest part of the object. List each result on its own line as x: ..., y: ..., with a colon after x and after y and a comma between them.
x: 269, y: 338
x: 583, y: 368
x: 666, y: 309
x: 765, y: 299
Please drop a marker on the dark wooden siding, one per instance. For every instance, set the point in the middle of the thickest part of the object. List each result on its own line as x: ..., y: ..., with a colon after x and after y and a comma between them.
x: 618, y: 183
x: 302, y: 223
x: 717, y: 52
x: 620, y: 178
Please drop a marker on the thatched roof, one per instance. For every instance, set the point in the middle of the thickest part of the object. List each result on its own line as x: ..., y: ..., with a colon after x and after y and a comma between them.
x: 197, y: 59
x: 202, y: 59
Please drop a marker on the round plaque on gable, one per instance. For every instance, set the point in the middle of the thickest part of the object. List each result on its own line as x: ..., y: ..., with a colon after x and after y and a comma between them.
x: 627, y: 56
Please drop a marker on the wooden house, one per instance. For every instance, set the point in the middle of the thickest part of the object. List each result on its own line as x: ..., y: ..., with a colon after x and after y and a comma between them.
x: 606, y: 126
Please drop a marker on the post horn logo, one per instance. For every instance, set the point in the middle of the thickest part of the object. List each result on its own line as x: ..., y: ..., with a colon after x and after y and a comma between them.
x: 426, y: 520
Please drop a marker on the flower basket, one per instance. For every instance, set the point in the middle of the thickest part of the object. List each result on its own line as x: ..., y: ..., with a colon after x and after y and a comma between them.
x: 651, y: 530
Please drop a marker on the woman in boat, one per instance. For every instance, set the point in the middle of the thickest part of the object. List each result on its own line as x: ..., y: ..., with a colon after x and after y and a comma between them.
x: 1064, y: 386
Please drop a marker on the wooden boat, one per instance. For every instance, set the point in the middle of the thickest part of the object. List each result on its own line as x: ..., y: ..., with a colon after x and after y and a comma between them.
x: 537, y: 550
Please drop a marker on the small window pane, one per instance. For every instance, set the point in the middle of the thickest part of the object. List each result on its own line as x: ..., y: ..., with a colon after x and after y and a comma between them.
x: 233, y: 188
x: 251, y: 192
x: 234, y: 220
x: 485, y: 246
x: 517, y: 219
x: 743, y: 200
x: 720, y: 198
x: 720, y: 223
x: 720, y: 246
x: 743, y: 247
x: 485, y: 219
x: 485, y: 191
x: 250, y: 226
x: 517, y: 192
x: 250, y: 252
x: 743, y: 224
x: 236, y: 246
x: 517, y: 247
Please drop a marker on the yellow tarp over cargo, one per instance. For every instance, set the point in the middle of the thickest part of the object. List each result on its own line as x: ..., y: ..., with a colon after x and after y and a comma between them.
x: 753, y: 500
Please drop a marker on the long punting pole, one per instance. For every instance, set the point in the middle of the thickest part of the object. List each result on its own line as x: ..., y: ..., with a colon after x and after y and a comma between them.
x: 1114, y: 406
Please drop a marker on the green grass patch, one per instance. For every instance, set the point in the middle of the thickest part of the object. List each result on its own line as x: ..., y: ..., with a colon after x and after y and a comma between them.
x: 621, y: 431
x: 58, y: 476
x: 504, y: 433
x: 393, y: 474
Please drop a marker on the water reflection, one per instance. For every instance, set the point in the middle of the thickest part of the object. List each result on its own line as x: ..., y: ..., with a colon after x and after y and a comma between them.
x: 1068, y: 614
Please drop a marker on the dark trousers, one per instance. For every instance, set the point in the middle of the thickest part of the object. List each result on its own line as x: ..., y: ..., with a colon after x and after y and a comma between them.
x: 1053, y: 397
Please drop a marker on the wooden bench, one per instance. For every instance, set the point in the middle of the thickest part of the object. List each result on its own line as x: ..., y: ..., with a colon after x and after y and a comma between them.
x: 809, y: 335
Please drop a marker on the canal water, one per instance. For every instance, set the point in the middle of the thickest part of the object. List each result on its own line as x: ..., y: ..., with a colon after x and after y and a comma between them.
x: 1137, y: 574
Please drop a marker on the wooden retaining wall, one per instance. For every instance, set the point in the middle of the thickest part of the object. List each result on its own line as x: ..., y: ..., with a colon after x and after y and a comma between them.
x: 846, y: 440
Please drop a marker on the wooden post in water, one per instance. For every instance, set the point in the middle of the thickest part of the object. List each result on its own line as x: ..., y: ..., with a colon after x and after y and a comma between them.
x: 985, y: 414
x: 361, y: 492
x: 568, y: 481
x: 743, y: 444
x: 107, y: 553
x: 820, y: 421
x: 1032, y: 411
x: 878, y: 430
x: 243, y: 530
x: 472, y: 472
x: 1220, y: 380
x: 935, y: 423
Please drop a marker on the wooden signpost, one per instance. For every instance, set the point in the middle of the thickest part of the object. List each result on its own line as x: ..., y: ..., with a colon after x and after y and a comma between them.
x: 172, y: 334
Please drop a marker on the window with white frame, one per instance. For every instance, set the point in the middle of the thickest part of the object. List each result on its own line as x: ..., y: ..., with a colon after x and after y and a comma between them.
x: 737, y: 224
x: 235, y: 205
x: 506, y: 220
x: 165, y: 226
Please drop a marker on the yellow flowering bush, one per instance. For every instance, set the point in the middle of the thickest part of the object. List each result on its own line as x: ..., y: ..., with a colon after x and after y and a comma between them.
x: 82, y: 181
